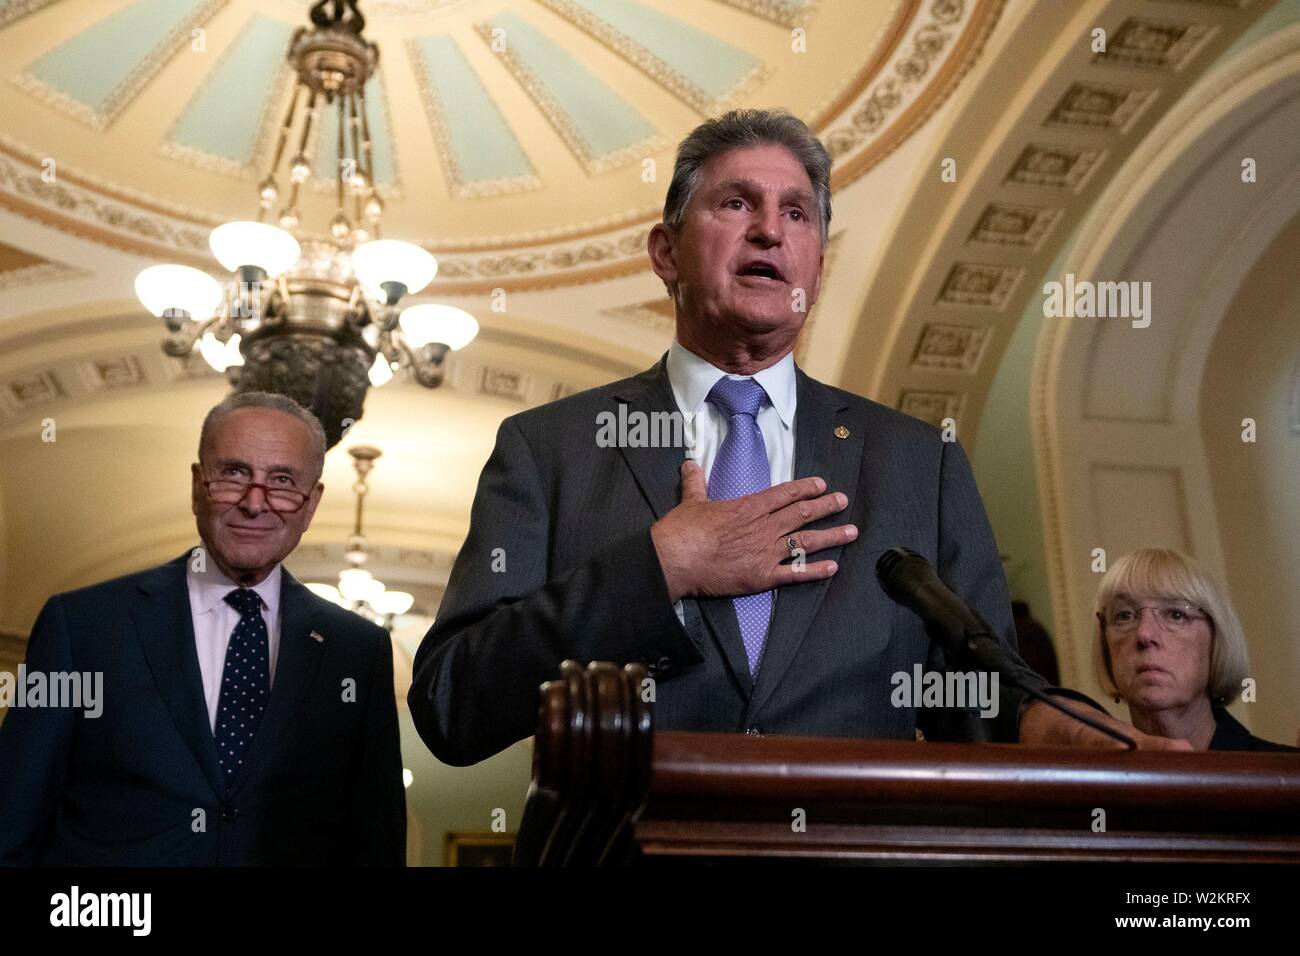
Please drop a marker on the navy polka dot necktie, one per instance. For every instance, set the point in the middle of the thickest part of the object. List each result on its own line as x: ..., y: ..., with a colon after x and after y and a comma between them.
x: 245, y: 682
x: 741, y: 468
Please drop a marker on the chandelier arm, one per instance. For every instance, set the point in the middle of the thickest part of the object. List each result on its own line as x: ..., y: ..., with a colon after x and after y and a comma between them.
x: 279, y: 298
x: 291, y: 208
x: 354, y: 127
x: 313, y: 111
x: 288, y: 125
x: 429, y: 371
x: 180, y: 343
x: 367, y: 150
x: 341, y: 157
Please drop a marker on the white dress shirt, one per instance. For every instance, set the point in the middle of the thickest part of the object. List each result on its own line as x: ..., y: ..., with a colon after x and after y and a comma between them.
x: 693, y: 377
x: 215, y: 620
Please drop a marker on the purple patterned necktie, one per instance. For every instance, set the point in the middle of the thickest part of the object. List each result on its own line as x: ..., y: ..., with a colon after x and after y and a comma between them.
x: 741, y: 468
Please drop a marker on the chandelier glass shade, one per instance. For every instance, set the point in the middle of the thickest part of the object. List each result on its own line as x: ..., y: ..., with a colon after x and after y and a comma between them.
x: 179, y: 289
x: 254, y: 245
x: 313, y: 315
x: 431, y: 324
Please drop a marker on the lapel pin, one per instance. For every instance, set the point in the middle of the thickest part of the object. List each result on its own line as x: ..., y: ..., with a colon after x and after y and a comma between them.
x: 318, y: 637
x: 841, y: 431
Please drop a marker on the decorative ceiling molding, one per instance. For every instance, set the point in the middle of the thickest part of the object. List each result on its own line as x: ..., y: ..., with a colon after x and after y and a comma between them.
x: 950, y: 347
x: 1005, y: 218
x: 488, y: 125
x: 1098, y: 106
x: 544, y: 268
x: 82, y: 213
x: 657, y: 315
x: 101, y: 116
x: 266, y: 124
x: 980, y: 285
x: 653, y: 65
x: 788, y: 13
x: 1055, y: 166
x: 578, y: 252
x: 15, y: 10
x: 502, y: 35
x: 81, y: 373
x: 1157, y: 44
x: 12, y: 279
x: 963, y: 56
x: 932, y: 406
x: 922, y: 49
x: 1014, y: 225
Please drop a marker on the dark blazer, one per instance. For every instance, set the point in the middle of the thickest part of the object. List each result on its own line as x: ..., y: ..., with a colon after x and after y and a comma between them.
x: 1229, y: 734
x: 139, y: 785
x: 559, y: 564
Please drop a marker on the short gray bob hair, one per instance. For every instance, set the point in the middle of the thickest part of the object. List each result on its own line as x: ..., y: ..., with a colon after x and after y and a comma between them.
x: 271, y: 400
x: 737, y: 130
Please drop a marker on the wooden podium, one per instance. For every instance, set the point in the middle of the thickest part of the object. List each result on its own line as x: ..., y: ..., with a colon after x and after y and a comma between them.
x: 607, y: 789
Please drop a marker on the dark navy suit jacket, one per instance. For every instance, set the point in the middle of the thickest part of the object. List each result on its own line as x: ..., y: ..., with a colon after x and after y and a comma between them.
x: 139, y: 785
x: 559, y: 563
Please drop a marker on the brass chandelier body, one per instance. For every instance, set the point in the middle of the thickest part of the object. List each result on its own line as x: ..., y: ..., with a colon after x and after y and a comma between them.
x: 317, y: 331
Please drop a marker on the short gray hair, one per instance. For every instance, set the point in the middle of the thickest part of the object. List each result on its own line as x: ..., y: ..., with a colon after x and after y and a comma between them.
x: 737, y: 130
x: 279, y: 403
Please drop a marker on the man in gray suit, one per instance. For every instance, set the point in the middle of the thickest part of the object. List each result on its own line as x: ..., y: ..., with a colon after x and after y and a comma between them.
x: 742, y: 576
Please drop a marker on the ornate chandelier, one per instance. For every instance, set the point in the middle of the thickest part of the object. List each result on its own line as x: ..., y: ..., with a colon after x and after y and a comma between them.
x: 316, y: 320
x: 358, y: 590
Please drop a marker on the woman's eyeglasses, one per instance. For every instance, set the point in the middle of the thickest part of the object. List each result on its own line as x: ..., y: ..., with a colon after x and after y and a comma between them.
x: 1173, y: 617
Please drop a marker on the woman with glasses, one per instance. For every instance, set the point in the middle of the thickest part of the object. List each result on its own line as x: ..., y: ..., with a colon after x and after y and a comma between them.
x: 1170, y: 646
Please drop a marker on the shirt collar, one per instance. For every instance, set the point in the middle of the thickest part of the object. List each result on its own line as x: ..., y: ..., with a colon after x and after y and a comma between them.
x: 208, y: 588
x: 693, y: 377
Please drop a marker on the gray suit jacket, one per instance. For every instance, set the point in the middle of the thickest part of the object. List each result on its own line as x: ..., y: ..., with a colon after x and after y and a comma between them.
x: 559, y: 564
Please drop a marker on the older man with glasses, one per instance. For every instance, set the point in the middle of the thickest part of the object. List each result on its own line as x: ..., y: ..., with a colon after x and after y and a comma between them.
x: 245, y: 720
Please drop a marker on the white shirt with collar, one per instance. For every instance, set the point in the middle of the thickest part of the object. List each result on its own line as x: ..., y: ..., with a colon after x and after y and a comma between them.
x: 692, y: 378
x: 214, y: 621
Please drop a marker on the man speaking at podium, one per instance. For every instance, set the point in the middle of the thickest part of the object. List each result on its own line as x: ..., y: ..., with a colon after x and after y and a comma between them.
x: 737, y: 563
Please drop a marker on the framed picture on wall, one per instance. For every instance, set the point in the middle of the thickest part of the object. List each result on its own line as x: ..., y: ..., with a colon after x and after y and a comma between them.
x: 479, y: 849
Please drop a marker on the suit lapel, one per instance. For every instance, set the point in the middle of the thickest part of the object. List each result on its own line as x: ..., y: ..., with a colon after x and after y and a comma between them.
x: 817, y: 451
x: 657, y: 470
x: 165, y: 628
x: 658, y: 474
x: 295, y: 670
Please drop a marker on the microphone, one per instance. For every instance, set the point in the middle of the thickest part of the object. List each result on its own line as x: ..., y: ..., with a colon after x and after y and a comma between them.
x: 910, y: 581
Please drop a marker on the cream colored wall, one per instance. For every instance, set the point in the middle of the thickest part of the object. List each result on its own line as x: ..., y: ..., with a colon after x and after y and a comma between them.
x: 1116, y: 409
x: 1254, y: 372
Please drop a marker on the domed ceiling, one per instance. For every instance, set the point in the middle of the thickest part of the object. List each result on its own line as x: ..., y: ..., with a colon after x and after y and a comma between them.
x: 539, y: 132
